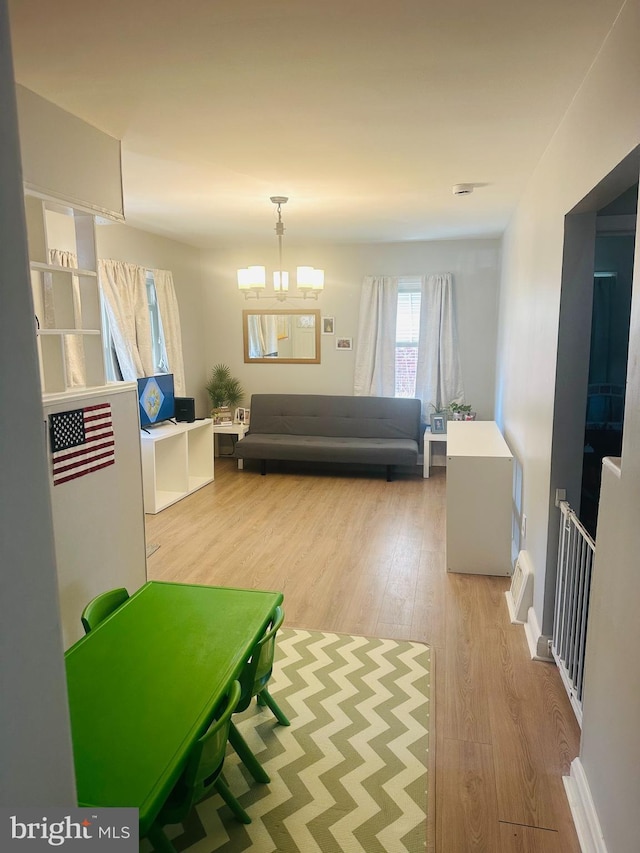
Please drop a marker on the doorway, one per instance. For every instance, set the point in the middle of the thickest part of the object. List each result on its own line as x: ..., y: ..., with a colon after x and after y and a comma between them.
x: 609, y: 345
x: 606, y: 213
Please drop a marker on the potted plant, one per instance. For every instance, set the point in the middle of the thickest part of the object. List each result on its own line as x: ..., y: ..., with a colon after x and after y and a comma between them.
x: 461, y: 412
x: 225, y: 392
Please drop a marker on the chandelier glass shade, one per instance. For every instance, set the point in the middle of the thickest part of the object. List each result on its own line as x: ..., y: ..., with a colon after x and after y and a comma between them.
x: 252, y: 281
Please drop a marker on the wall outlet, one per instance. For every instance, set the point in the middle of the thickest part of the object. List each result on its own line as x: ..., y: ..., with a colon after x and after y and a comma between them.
x: 523, y: 526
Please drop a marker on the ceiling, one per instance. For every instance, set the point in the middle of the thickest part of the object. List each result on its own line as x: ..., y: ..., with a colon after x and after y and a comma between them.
x: 364, y: 112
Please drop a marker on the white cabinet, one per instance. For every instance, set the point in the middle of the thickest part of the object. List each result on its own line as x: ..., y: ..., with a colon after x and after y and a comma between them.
x: 98, y: 518
x: 66, y: 295
x: 177, y: 459
x: 479, y: 499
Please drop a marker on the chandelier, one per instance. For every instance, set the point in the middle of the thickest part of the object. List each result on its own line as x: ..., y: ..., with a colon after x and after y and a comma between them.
x: 252, y: 280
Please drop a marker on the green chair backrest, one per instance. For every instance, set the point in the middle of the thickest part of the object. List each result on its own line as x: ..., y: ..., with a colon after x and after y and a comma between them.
x: 207, y: 756
x: 101, y: 606
x: 257, y: 671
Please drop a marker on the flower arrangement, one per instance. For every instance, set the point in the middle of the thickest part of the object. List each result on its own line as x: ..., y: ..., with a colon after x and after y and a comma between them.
x: 462, y: 412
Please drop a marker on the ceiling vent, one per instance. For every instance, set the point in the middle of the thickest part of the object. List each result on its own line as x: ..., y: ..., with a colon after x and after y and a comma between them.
x: 462, y: 189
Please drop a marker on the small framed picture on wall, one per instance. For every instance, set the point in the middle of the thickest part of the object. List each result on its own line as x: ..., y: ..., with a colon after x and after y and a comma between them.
x: 328, y: 325
x: 344, y: 343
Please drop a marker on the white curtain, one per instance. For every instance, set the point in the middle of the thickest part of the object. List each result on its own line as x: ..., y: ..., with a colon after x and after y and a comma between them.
x: 438, y: 373
x: 125, y: 293
x: 170, y: 319
x: 375, y: 368
x: 73, y: 344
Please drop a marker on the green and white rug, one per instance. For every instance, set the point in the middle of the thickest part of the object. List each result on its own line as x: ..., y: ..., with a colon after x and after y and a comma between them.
x: 350, y: 773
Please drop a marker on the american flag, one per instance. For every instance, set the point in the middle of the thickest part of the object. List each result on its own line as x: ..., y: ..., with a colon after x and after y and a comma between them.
x: 81, y: 442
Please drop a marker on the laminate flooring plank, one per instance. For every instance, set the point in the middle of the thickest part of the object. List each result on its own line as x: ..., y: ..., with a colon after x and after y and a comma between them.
x: 428, y: 618
x: 525, y: 839
x: 466, y: 715
x: 558, y: 737
x: 469, y: 819
x: 527, y: 792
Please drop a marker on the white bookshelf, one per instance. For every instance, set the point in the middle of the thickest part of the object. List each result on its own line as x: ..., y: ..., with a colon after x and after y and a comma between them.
x: 66, y: 299
x: 177, y: 460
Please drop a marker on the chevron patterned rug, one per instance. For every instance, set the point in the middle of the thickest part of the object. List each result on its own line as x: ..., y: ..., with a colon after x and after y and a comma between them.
x: 350, y: 773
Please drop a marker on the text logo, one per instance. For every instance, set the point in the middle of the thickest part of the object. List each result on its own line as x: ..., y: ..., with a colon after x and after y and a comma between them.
x: 73, y: 829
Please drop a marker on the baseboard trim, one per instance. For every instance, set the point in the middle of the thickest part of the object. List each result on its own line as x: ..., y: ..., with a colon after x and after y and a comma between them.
x: 539, y: 644
x: 583, y: 810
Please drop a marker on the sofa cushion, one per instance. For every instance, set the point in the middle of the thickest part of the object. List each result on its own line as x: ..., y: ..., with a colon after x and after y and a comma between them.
x: 335, y: 416
x: 320, y: 448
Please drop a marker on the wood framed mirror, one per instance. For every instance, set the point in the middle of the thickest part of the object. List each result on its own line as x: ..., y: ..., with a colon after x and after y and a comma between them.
x: 281, y: 336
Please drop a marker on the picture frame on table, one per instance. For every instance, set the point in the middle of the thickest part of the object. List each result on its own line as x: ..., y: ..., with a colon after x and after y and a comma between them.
x: 242, y: 416
x: 328, y: 325
x: 438, y: 423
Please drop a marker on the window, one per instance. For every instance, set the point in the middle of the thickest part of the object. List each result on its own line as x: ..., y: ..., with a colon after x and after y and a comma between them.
x: 160, y: 360
x: 158, y: 347
x: 407, y: 334
x: 112, y: 367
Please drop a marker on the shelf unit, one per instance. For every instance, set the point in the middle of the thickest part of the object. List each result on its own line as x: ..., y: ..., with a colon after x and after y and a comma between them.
x: 479, y: 499
x: 66, y: 299
x: 177, y: 460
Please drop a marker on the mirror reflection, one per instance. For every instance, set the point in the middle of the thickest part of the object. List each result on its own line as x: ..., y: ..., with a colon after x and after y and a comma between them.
x: 282, y: 336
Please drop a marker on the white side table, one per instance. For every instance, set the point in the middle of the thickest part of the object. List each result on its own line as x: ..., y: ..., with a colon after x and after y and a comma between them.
x: 237, y: 430
x: 429, y: 439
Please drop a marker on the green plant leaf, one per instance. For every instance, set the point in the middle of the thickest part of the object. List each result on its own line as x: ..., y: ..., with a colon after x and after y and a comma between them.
x: 223, y: 388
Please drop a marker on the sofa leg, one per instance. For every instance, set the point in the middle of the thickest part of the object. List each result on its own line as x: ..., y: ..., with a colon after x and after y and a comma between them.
x: 389, y: 473
x: 263, y: 466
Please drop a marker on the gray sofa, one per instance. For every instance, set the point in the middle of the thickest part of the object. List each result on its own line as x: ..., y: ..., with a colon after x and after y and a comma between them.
x: 321, y: 428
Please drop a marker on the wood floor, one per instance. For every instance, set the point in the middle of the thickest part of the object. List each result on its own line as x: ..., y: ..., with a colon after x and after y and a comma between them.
x: 358, y: 555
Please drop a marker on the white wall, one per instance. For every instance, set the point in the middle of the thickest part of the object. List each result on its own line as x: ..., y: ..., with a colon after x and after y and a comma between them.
x: 475, y: 265
x: 123, y: 243
x: 600, y: 129
x: 35, y: 738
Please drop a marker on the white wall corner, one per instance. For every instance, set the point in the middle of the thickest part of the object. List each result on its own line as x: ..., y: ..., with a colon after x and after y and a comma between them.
x: 583, y: 810
x: 539, y: 643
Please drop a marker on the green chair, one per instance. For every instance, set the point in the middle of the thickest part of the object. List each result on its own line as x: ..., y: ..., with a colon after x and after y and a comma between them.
x: 101, y: 606
x: 257, y: 671
x: 253, y: 679
x: 201, y: 776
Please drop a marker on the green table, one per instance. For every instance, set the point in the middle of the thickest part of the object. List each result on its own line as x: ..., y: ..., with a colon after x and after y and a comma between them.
x: 143, y: 685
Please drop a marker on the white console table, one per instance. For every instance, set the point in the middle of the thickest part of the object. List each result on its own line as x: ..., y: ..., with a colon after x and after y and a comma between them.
x: 479, y: 499
x: 177, y: 459
x: 235, y: 430
x: 429, y: 440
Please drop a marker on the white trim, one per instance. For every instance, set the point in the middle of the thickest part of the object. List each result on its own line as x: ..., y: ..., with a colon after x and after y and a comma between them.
x: 539, y: 643
x: 70, y: 201
x: 583, y: 810
x: 78, y: 392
